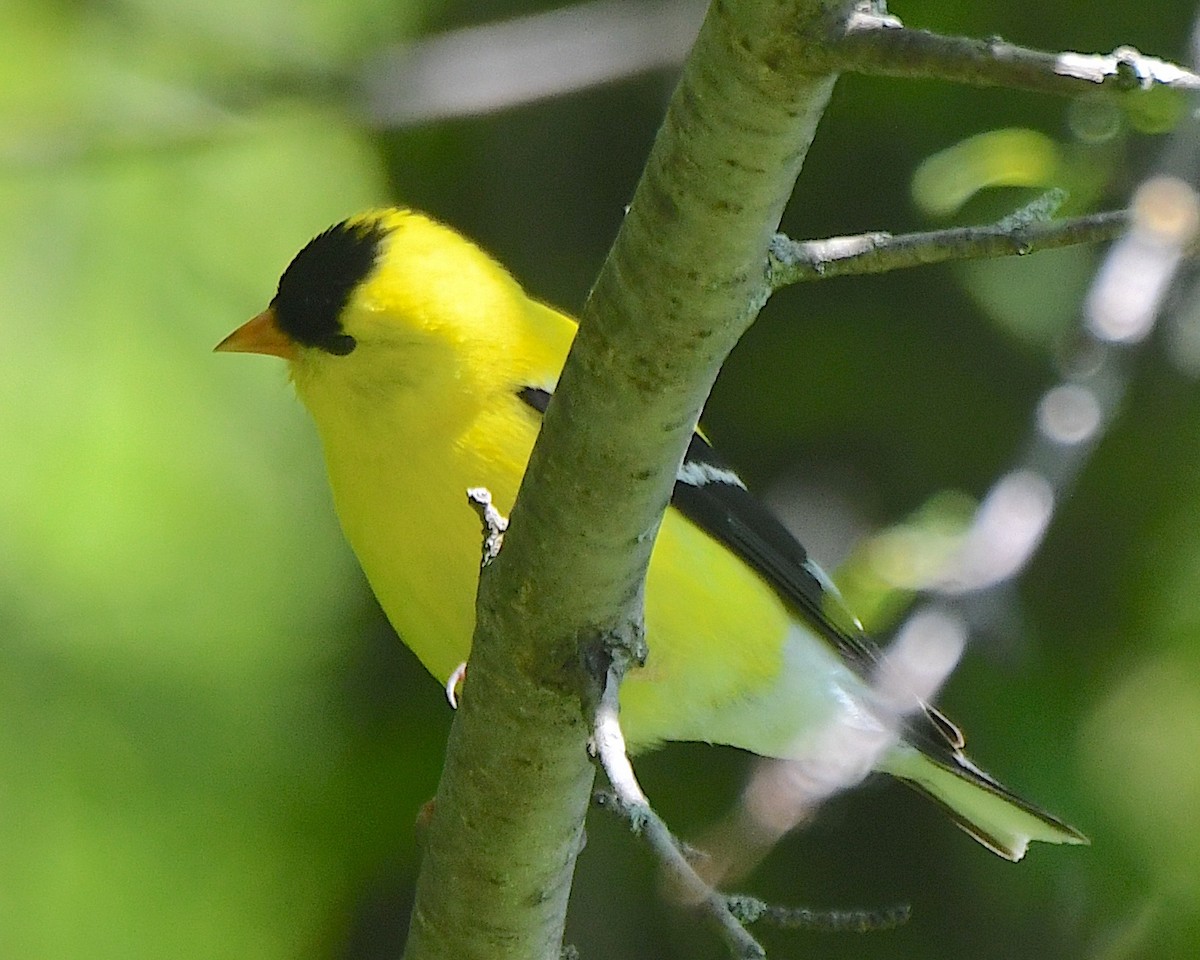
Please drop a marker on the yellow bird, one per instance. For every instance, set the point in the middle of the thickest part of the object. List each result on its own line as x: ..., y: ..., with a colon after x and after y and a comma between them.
x: 427, y: 368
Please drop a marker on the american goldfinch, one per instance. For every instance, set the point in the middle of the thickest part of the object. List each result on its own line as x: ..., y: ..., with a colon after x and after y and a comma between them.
x: 427, y: 369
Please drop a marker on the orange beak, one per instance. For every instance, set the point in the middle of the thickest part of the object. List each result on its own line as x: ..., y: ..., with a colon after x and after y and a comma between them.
x: 260, y: 334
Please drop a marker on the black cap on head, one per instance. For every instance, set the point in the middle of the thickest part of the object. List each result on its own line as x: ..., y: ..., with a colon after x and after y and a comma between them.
x: 317, y: 284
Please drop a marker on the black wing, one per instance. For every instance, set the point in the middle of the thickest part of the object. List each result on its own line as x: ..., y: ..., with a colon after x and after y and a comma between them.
x: 710, y: 494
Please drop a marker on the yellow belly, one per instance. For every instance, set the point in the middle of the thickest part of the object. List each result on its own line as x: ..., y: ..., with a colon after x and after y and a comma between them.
x: 728, y: 662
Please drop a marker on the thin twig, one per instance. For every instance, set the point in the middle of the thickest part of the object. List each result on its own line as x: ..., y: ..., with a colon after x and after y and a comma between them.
x: 753, y: 910
x: 797, y: 261
x: 628, y: 799
x: 877, y: 44
x: 913, y: 669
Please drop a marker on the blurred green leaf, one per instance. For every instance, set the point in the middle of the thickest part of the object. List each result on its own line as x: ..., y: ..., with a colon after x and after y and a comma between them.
x: 998, y: 158
x: 1156, y: 111
x: 885, y: 572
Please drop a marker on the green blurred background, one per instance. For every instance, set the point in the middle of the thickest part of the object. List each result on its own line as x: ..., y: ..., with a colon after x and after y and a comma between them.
x: 211, y: 745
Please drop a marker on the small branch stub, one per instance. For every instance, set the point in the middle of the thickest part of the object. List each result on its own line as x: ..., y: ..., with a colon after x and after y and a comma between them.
x: 494, y: 522
x: 457, y: 676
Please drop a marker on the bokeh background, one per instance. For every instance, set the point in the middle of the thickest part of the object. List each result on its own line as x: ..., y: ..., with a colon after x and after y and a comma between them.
x: 212, y: 745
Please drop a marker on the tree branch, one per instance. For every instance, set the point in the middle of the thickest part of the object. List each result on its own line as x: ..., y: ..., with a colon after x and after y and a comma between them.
x: 879, y: 44
x: 798, y: 261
